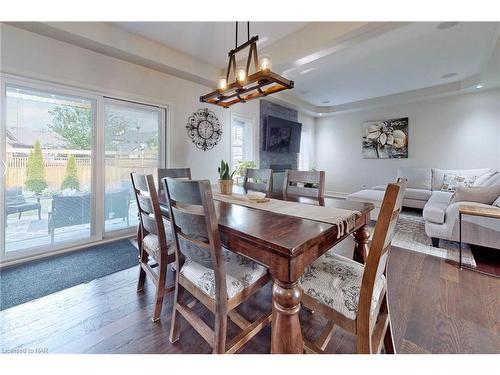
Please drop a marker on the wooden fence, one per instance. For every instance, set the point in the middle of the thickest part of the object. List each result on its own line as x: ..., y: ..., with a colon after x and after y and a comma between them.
x: 117, y: 169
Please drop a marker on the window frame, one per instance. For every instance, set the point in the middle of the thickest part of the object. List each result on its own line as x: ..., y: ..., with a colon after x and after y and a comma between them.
x: 251, y: 147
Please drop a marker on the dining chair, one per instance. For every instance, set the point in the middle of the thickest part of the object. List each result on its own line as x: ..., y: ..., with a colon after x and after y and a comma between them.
x: 258, y: 180
x: 218, y: 278
x: 307, y: 184
x: 183, y: 173
x: 354, y: 296
x: 154, y: 239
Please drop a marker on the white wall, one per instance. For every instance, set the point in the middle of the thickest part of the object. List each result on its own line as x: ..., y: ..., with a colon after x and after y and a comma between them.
x: 35, y: 56
x: 450, y: 132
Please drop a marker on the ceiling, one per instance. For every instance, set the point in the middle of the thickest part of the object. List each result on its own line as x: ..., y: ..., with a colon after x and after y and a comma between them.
x: 336, y: 63
x: 411, y: 57
x: 209, y: 41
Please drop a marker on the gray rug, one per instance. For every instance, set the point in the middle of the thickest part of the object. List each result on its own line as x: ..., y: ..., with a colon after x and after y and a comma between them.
x: 410, y: 235
x: 20, y: 284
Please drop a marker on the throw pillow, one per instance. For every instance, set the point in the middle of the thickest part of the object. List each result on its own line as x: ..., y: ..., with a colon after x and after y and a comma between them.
x: 453, y: 181
x: 485, y: 195
x: 483, y: 179
x: 497, y: 202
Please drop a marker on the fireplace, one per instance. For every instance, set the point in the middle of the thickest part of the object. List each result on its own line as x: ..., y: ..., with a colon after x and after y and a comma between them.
x: 278, y: 175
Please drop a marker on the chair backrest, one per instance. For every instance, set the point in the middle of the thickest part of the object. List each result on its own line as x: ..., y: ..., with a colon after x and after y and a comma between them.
x: 310, y: 184
x: 258, y: 180
x: 182, y: 173
x: 68, y: 210
x: 195, y: 226
x: 150, y: 218
x: 117, y: 204
x: 378, y: 254
x: 14, y: 196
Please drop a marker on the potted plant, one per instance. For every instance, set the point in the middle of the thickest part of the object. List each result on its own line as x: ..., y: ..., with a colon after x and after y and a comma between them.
x: 225, y: 178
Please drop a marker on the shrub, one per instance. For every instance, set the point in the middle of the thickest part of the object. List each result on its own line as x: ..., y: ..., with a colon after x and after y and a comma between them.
x: 35, y: 170
x: 71, y: 178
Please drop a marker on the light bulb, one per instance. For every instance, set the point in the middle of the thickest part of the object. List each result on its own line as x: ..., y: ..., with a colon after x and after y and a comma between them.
x: 222, y: 83
x: 241, y: 75
x: 265, y: 62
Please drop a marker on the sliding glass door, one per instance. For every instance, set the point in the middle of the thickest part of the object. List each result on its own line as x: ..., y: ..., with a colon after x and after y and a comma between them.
x: 132, y: 143
x: 66, y: 157
x: 48, y: 160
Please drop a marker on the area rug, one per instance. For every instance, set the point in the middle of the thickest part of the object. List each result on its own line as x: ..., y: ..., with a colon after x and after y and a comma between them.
x: 410, y: 235
x: 20, y: 284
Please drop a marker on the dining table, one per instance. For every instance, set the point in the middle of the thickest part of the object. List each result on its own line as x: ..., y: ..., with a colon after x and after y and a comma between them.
x: 286, y: 245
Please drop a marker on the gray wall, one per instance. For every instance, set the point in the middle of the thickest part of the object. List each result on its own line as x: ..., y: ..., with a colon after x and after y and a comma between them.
x: 267, y: 158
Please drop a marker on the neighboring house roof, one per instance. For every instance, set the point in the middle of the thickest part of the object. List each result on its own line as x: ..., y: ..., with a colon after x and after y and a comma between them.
x: 20, y: 137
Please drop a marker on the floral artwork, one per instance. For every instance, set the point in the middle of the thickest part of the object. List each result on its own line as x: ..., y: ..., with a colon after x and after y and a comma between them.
x: 385, y: 139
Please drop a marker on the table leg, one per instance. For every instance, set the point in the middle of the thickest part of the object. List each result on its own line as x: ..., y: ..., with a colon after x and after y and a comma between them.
x: 361, y: 237
x: 286, y: 333
x: 460, y: 239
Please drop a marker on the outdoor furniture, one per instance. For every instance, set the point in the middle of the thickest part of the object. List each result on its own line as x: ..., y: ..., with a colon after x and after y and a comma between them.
x: 69, y: 210
x: 16, y: 203
x: 117, y: 204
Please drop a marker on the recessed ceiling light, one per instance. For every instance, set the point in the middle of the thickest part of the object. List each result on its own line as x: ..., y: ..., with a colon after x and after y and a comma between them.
x: 305, y: 91
x: 305, y: 71
x: 446, y: 25
x: 449, y: 75
x: 320, y: 114
x: 262, y: 40
x: 325, y: 102
x: 479, y: 86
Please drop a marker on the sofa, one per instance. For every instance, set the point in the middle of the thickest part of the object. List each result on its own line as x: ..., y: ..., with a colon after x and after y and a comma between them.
x: 440, y: 209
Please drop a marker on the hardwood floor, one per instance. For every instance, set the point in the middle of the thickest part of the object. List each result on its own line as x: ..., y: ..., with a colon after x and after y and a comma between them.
x: 435, y: 308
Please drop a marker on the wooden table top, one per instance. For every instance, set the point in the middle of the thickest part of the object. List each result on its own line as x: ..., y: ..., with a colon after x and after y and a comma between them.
x: 287, y: 235
x: 491, y: 212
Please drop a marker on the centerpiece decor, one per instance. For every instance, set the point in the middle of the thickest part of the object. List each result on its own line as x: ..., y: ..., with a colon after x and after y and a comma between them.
x: 246, y: 86
x: 225, y: 178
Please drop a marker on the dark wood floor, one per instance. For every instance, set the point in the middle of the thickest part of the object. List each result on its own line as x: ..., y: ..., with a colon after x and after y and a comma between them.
x: 435, y: 308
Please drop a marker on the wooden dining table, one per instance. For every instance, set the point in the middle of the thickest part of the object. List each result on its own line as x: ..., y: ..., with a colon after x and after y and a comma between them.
x: 286, y: 245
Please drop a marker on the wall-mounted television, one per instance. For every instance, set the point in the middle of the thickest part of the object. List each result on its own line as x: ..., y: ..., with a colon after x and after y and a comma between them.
x: 282, y: 136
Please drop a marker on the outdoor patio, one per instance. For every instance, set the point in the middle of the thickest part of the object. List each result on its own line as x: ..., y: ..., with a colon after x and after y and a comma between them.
x: 30, y: 231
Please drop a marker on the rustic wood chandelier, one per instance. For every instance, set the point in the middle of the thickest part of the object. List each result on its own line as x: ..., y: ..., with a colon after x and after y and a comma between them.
x: 246, y: 86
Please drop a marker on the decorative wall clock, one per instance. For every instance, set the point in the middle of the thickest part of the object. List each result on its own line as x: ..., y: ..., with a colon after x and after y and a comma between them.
x: 204, y: 129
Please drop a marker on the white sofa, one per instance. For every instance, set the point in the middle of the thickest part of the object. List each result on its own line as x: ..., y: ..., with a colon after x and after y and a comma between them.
x: 422, y: 182
x: 441, y: 217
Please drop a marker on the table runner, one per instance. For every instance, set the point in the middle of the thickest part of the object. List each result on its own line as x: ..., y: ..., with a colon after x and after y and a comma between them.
x: 342, y: 218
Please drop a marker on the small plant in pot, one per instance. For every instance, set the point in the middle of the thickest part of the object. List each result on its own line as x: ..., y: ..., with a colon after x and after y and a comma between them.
x: 225, y: 178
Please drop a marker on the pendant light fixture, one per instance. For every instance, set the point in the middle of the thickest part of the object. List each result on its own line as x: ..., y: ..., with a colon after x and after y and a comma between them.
x: 252, y: 81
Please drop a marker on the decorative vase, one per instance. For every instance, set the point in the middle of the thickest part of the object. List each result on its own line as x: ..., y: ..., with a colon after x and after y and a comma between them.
x: 226, y: 187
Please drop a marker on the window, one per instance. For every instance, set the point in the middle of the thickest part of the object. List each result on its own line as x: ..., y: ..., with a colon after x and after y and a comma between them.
x: 66, y: 157
x: 131, y: 142
x: 48, y: 158
x: 241, y: 139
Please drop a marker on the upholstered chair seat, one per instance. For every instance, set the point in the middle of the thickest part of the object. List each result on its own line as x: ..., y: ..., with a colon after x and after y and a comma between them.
x: 151, y: 243
x: 241, y: 272
x: 335, y: 281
